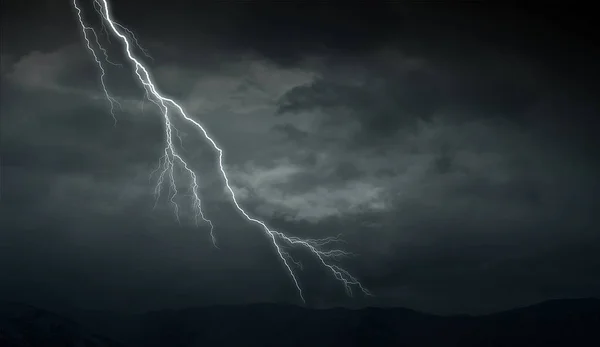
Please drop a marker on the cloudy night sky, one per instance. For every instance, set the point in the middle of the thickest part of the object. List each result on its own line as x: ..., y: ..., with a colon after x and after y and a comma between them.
x: 453, y: 148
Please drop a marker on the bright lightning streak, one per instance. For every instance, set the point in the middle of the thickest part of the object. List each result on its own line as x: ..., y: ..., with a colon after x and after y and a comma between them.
x: 171, y: 158
x: 85, y: 29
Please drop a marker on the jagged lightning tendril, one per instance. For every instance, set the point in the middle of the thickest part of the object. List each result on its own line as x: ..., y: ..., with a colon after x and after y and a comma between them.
x: 171, y: 158
x: 85, y: 29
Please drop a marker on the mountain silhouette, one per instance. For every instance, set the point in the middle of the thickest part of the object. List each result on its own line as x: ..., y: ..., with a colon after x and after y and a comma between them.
x: 553, y: 323
x: 27, y: 326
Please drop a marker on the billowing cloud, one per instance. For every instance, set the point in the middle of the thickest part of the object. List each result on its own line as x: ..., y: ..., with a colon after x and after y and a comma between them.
x: 46, y: 70
x: 301, y: 193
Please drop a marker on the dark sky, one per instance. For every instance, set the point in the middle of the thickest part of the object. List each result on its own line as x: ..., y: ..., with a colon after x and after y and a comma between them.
x: 452, y: 146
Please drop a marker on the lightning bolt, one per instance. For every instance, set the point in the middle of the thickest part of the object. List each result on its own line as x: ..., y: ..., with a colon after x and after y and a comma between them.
x: 85, y: 30
x: 171, y: 158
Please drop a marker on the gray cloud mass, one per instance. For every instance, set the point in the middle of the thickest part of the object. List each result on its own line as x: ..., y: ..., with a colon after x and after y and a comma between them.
x: 448, y: 179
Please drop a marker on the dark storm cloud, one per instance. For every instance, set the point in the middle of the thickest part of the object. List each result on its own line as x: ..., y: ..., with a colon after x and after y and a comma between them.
x: 486, y: 174
x: 291, y: 132
x: 448, y: 162
x: 78, y: 178
x: 37, y: 145
x: 399, y: 90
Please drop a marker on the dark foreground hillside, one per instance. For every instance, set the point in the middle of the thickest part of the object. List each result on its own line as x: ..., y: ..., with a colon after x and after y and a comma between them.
x: 553, y: 323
